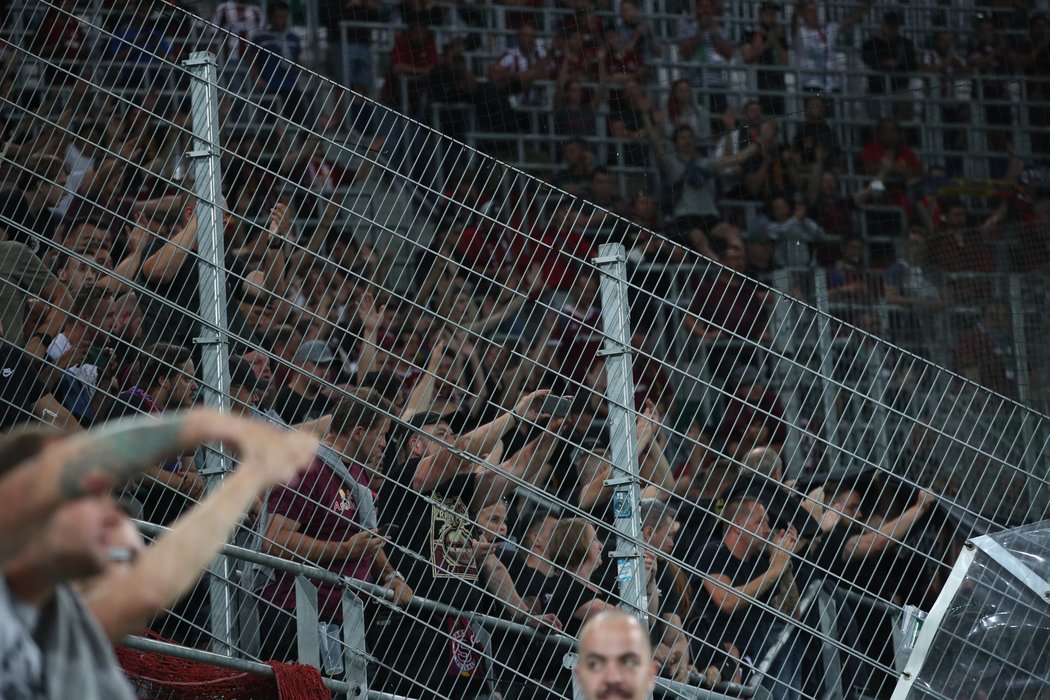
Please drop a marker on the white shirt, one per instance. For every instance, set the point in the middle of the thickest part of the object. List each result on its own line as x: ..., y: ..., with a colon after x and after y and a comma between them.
x: 238, y: 18
x: 514, y: 59
x: 814, y: 54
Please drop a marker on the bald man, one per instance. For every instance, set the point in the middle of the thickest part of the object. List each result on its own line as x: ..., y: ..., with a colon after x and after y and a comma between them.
x: 616, y: 660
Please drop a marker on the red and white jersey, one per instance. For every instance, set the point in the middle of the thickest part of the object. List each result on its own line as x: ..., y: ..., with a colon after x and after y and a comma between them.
x: 240, y: 18
x: 520, y: 62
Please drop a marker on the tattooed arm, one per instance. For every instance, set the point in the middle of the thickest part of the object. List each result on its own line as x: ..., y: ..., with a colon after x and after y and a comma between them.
x: 123, y: 601
x: 92, y: 463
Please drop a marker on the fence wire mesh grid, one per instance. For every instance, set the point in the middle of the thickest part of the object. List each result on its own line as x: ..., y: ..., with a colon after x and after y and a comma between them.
x: 824, y: 396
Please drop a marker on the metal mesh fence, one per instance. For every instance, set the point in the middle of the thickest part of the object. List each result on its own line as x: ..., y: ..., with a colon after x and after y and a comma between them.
x: 765, y: 456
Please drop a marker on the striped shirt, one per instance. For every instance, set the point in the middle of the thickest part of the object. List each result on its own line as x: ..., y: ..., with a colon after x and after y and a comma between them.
x: 240, y: 19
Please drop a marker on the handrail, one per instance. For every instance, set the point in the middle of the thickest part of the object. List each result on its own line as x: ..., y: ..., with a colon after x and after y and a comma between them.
x: 719, y: 691
x: 319, y: 574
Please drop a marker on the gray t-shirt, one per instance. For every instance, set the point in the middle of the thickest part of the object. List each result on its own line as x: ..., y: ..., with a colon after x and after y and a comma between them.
x: 56, y: 652
x: 21, y: 273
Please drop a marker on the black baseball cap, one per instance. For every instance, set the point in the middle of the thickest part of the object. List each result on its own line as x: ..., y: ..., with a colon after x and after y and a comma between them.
x: 425, y: 418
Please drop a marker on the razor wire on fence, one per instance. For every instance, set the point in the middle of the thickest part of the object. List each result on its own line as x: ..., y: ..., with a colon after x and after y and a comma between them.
x: 540, y: 407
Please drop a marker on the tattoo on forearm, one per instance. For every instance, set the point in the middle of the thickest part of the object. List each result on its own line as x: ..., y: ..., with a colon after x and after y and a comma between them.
x: 118, y: 451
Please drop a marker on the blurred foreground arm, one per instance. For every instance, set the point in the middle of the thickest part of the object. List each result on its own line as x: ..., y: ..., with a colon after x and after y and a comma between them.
x: 124, y: 600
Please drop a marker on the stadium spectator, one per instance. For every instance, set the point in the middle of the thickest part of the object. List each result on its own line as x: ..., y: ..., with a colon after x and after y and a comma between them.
x: 702, y: 46
x: 615, y: 658
x: 890, y: 161
x: 274, y: 68
x: 813, y: 45
x: 433, y: 499
x: 60, y: 533
x: 619, y: 62
x: 23, y: 397
x: 741, y: 580
x: 959, y: 249
x: 850, y: 282
x: 520, y: 67
x: 738, y: 135
x: 242, y: 20
x: 305, y: 396
x: 952, y: 86
x: 575, y: 108
x: 910, y: 281
x: 603, y: 192
x: 528, y: 564
x: 682, y: 110
x: 813, y: 136
x: 636, y: 32
x: 691, y: 185
x: 987, y: 354
x: 350, y: 43
x: 630, y: 109
x: 766, y: 47
x: 40, y: 186
x: 328, y: 517
x: 730, y: 307
x: 576, y: 553
x: 23, y: 279
x: 753, y: 416
x: 793, y: 232
x: 892, y: 58
x: 79, y: 356
x: 770, y: 173
x: 412, y: 59
x: 579, y: 165
x: 990, y: 59
x: 165, y: 383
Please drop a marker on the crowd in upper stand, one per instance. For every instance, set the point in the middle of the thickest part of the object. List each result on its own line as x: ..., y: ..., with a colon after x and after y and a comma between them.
x: 90, y: 198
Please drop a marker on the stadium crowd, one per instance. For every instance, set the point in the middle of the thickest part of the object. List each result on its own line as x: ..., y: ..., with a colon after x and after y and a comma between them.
x: 99, y: 299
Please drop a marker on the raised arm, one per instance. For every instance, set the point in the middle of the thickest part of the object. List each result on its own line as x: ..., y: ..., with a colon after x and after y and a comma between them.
x: 91, y: 463
x: 124, y: 601
x: 729, y: 598
x: 860, y: 546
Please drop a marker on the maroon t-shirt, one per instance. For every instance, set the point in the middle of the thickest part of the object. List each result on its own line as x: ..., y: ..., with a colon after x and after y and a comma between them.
x: 326, y: 509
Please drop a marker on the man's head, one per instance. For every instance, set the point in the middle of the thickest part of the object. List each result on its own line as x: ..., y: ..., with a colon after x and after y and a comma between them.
x: 659, y: 527
x: 747, y: 527
x: 684, y: 140
x: 603, y: 185
x: 492, y: 522
x: 538, y: 524
x: 629, y: 12
x: 526, y: 38
x: 127, y: 317
x: 753, y: 114
x: 847, y: 501
x: 279, y: 14
x: 316, y: 359
x: 246, y: 389
x: 43, y: 180
x: 956, y: 217
x: 432, y: 431
x: 574, y: 545
x: 360, y: 425
x: 168, y: 376
x: 76, y: 541
x: 810, y: 13
x: 766, y: 461
x: 91, y: 317
x: 767, y: 14
x: 815, y: 108
x: 891, y: 25
x: 615, y: 658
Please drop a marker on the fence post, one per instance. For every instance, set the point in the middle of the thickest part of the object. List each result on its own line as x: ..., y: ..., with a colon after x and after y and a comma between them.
x: 627, y: 494
x: 215, y: 371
